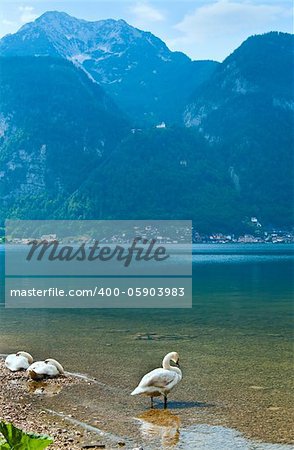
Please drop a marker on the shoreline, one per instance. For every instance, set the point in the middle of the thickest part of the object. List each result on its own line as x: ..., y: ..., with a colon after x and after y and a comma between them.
x: 21, y: 404
x: 207, y: 243
x: 17, y: 406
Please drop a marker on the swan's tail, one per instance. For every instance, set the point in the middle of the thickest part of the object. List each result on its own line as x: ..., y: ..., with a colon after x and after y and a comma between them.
x: 137, y: 391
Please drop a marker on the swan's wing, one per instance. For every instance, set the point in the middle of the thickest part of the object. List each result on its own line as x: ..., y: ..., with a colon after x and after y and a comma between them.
x: 55, y: 363
x: 10, y: 361
x: 42, y: 368
x: 15, y: 362
x: 38, y: 367
x: 160, y: 378
x: 51, y: 370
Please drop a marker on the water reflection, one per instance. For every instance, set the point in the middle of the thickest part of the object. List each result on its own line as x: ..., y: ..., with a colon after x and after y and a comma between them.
x: 162, y: 425
x: 43, y: 388
x: 240, y: 322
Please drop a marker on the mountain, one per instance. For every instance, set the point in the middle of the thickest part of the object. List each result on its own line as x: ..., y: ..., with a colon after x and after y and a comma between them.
x: 160, y: 173
x: 246, y: 109
x: 55, y: 125
x: 67, y: 150
x: 148, y: 81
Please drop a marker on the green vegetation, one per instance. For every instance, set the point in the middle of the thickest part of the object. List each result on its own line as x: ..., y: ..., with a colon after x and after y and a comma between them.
x: 247, y: 107
x: 16, y: 439
x: 68, y: 152
x: 58, y: 124
x: 168, y: 173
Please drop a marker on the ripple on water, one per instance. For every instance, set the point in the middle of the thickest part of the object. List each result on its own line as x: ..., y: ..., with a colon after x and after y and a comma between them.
x: 208, y: 437
x: 201, y: 437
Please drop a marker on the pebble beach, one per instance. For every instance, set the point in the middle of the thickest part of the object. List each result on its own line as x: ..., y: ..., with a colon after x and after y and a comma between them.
x: 17, y: 406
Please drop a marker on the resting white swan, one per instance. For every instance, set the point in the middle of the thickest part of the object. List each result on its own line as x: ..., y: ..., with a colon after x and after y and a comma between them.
x: 18, y: 361
x: 160, y: 381
x: 50, y: 368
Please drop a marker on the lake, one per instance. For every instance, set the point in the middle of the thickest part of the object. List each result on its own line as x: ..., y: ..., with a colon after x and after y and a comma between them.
x: 235, y: 347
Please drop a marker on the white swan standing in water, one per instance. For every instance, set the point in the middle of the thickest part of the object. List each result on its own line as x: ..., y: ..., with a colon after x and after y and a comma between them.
x: 160, y: 381
x: 18, y: 361
x: 50, y: 368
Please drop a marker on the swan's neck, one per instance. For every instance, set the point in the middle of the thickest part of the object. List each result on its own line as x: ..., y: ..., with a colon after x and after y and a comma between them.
x: 166, y: 362
x: 166, y: 365
x: 56, y: 364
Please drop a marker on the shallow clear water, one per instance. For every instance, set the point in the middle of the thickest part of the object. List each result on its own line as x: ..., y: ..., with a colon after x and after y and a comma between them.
x: 235, y: 349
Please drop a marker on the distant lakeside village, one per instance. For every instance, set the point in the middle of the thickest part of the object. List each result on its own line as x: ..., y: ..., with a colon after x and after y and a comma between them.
x: 274, y: 237
x: 178, y: 235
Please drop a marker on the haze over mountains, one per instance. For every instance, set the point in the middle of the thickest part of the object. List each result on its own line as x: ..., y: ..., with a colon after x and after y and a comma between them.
x: 79, y: 104
x: 148, y: 81
x: 247, y: 108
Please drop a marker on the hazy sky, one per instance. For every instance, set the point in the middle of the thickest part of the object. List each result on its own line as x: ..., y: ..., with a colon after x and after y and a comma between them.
x: 203, y: 29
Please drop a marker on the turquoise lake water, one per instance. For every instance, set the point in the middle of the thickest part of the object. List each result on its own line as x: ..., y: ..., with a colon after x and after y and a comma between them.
x: 235, y: 348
